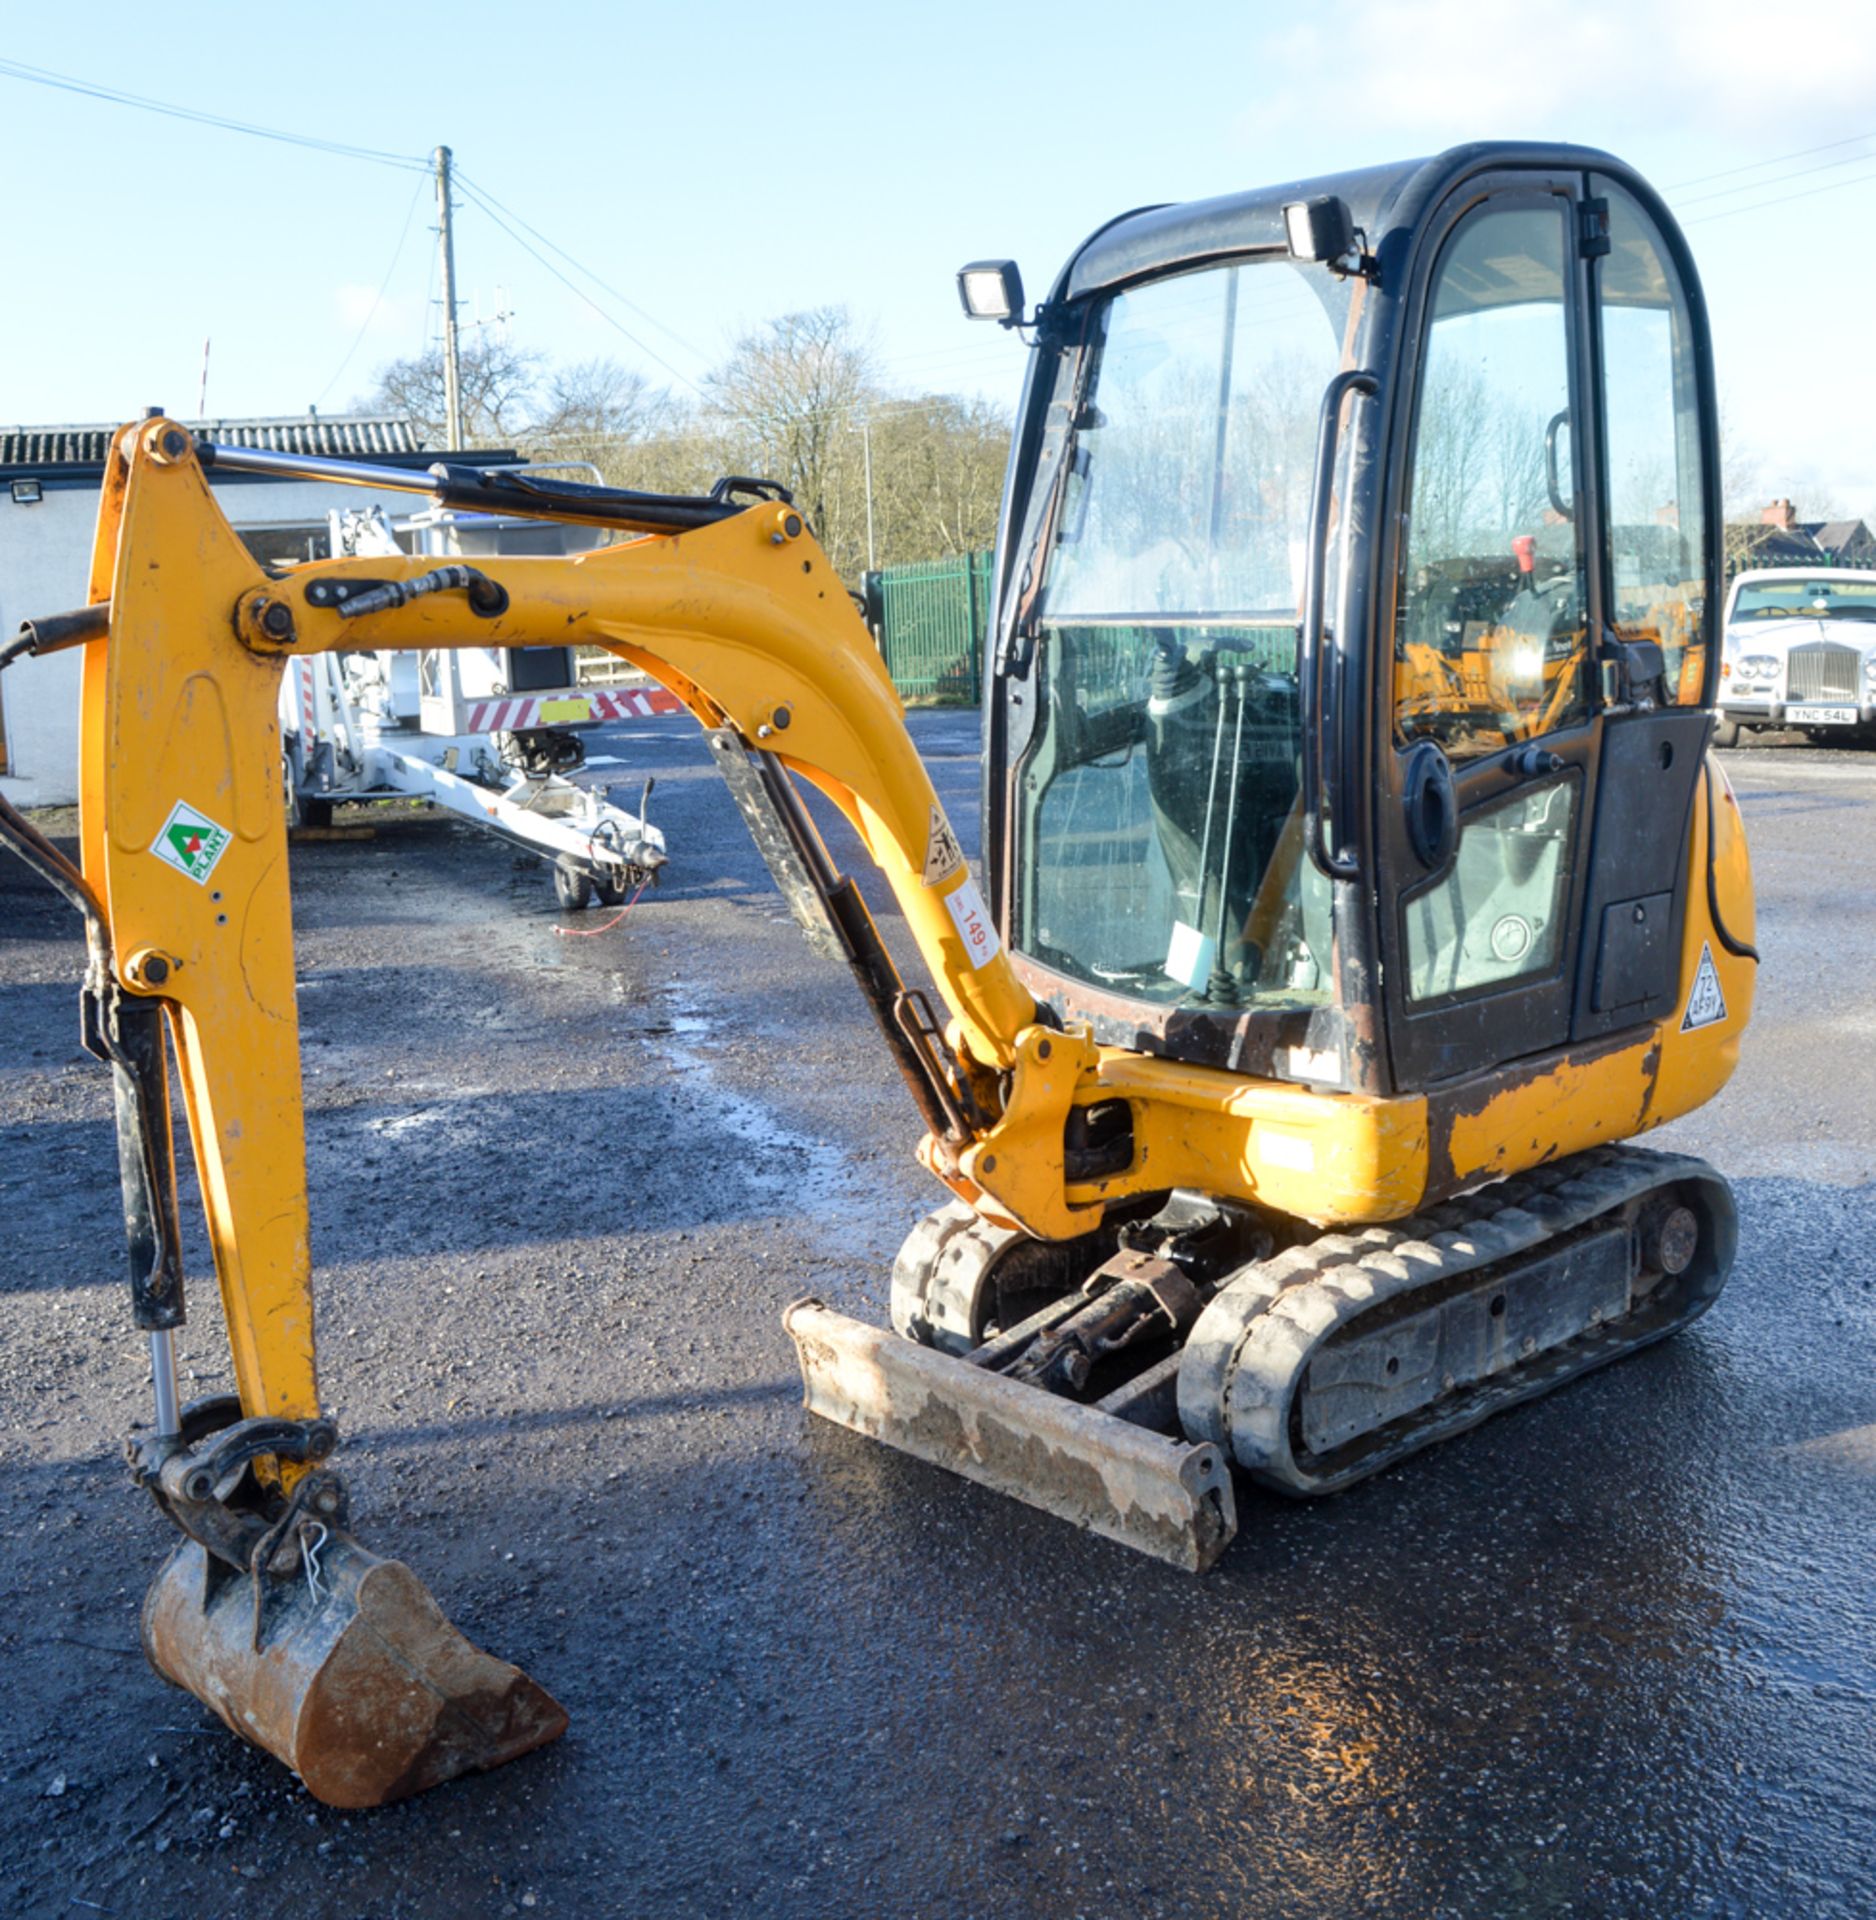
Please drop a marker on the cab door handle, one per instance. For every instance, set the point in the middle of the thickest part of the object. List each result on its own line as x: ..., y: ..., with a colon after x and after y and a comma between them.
x: 1334, y: 862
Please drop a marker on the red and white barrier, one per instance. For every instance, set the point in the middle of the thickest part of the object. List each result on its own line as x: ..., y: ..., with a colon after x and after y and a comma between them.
x: 518, y: 714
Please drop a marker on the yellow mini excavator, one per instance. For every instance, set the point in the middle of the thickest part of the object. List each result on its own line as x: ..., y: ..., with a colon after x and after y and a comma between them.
x: 1357, y: 883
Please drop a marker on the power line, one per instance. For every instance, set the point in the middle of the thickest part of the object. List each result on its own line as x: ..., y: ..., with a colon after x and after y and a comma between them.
x: 1779, y: 179
x: 1777, y: 160
x: 117, y: 96
x: 491, y: 205
x: 477, y: 199
x: 650, y: 319
x: 410, y: 213
x: 485, y: 202
x: 1781, y: 199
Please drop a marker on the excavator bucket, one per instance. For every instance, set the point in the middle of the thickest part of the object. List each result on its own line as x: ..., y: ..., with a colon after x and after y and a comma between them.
x: 349, y: 1673
x: 1095, y: 1469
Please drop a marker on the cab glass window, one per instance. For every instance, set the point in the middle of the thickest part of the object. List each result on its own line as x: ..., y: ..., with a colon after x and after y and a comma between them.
x: 1161, y: 852
x: 1657, y: 539
x: 1491, y: 637
x: 1188, y: 485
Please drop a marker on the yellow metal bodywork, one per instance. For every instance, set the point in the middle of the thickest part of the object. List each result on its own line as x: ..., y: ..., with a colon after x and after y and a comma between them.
x: 176, y: 709
x: 746, y: 623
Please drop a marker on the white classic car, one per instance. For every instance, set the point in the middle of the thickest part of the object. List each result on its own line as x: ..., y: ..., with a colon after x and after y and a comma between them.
x: 1800, y: 651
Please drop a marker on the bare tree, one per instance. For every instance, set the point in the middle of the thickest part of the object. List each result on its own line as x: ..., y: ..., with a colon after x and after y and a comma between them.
x: 1449, y: 439
x: 606, y: 414
x: 1516, y: 478
x: 1742, y: 477
x: 603, y: 400
x: 797, y: 400
x: 784, y: 406
x: 937, y: 476
x: 498, y: 387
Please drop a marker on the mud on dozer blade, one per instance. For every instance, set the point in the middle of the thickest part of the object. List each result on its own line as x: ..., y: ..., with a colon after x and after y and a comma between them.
x: 1085, y: 1466
x: 1307, y: 1368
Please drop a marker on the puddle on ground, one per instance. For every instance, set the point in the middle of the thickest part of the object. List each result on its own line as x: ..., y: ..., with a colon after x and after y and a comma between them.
x: 794, y: 1171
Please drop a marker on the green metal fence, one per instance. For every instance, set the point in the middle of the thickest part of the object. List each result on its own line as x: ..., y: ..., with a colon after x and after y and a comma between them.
x: 931, y: 619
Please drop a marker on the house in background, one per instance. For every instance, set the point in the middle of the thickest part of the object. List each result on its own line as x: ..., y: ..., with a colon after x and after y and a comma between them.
x: 50, y: 481
x: 1778, y: 538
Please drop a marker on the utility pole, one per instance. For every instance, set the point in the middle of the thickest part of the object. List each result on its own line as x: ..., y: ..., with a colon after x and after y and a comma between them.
x: 452, y: 365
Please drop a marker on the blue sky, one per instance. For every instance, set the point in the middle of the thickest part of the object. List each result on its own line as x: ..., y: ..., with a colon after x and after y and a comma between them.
x: 720, y: 164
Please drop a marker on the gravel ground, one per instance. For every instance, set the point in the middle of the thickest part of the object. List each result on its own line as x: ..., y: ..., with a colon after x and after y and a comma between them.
x: 1611, y: 1655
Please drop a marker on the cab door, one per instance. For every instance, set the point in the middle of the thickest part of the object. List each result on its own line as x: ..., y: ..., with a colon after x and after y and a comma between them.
x: 1537, y: 769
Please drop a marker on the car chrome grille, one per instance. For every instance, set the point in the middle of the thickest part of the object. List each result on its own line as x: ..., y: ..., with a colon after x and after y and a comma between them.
x: 1823, y: 671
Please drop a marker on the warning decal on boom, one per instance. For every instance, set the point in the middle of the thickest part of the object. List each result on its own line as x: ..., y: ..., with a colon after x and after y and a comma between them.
x: 943, y: 855
x: 1706, y: 1003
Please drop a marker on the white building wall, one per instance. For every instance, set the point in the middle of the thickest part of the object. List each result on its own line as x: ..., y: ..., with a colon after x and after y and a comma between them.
x: 45, y: 561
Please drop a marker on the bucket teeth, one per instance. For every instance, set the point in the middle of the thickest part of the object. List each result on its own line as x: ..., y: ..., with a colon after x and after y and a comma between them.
x: 353, y: 1677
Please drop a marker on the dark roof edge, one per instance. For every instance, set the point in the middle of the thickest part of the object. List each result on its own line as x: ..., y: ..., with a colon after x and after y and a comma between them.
x: 1170, y: 238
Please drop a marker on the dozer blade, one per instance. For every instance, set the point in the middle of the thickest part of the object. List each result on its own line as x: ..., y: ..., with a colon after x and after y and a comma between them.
x: 1160, y: 1496
x: 354, y: 1679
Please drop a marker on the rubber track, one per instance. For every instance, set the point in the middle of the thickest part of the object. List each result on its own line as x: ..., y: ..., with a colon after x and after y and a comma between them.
x: 1249, y: 1355
x: 939, y: 1276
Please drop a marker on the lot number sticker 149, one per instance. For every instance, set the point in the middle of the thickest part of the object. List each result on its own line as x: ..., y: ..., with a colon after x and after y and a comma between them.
x: 972, y: 919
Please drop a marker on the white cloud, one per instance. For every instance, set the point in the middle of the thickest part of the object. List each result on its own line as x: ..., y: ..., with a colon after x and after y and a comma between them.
x: 395, y: 314
x: 1456, y: 69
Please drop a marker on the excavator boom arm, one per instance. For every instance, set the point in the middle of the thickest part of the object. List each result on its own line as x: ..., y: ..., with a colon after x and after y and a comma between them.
x: 185, y: 842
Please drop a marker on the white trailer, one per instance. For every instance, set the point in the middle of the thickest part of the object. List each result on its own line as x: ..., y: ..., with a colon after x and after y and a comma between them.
x: 488, y: 732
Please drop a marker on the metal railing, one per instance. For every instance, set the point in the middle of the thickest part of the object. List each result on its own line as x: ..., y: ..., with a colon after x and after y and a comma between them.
x: 930, y: 619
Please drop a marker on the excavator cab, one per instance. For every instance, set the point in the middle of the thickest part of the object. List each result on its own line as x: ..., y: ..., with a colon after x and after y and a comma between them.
x: 1355, y: 637
x: 1347, y: 797
x: 1359, y: 884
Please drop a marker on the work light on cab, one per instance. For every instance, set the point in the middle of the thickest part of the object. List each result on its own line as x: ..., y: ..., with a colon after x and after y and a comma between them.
x: 992, y: 290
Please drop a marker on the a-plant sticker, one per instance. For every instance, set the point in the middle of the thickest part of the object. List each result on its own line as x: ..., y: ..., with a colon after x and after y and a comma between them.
x: 191, y: 842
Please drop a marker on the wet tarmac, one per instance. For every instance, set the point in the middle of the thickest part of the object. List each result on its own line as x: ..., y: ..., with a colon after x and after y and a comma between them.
x: 1611, y: 1654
